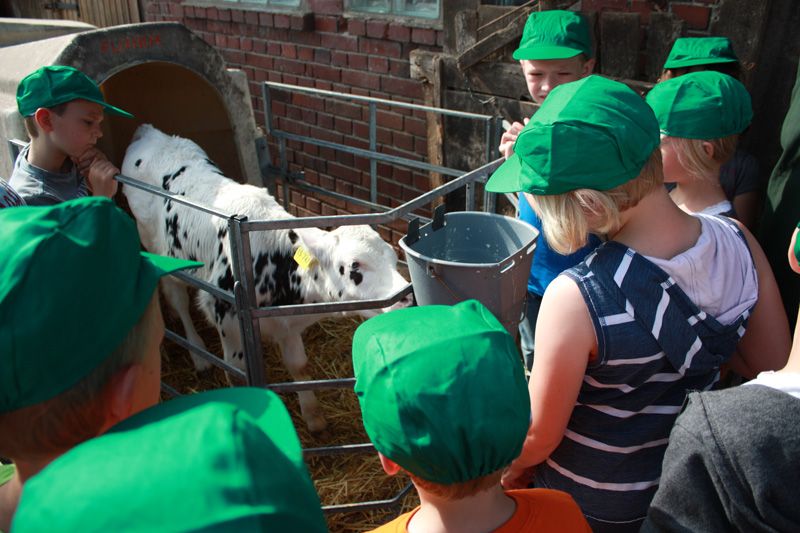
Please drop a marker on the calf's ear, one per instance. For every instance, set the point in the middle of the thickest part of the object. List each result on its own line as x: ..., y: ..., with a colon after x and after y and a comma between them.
x: 319, y: 243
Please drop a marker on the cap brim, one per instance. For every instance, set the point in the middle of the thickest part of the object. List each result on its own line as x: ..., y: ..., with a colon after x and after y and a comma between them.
x: 507, y: 176
x: 110, y: 108
x: 695, y: 62
x: 538, y: 53
x: 164, y: 264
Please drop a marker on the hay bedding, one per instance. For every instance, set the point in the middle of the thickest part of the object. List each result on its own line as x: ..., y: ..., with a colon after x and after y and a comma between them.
x: 338, y: 479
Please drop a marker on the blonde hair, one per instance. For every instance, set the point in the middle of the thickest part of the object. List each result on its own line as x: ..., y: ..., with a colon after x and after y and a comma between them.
x: 567, y: 219
x: 694, y: 159
x: 54, y: 426
x: 458, y: 491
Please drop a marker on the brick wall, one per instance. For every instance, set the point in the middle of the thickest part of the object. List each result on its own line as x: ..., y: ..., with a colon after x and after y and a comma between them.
x: 697, y: 13
x: 326, y: 50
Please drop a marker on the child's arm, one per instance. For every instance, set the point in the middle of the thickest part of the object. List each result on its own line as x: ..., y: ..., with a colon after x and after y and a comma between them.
x: 564, y: 340
x: 766, y: 343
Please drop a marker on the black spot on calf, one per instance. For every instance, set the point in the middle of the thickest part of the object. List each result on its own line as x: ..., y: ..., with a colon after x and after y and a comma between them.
x: 138, y: 162
x: 356, y: 276
x: 293, y: 236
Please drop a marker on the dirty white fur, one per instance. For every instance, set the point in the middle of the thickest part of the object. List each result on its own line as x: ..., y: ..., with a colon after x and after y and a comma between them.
x: 354, y: 263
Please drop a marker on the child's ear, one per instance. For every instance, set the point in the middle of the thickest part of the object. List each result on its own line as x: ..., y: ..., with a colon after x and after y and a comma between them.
x: 121, y: 394
x: 44, y: 119
x: 708, y: 148
x: 389, y: 466
x: 588, y: 67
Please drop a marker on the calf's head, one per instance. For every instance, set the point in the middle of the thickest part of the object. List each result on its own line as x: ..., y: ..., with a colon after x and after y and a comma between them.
x: 357, y: 264
x: 154, y: 156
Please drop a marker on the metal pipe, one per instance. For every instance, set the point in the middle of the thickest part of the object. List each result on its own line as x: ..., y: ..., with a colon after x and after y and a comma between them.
x: 366, y: 506
x: 478, y: 174
x: 373, y: 147
x: 359, y: 98
x: 158, y: 191
x: 339, y: 449
x: 319, y: 384
x: 331, y: 307
x: 205, y: 354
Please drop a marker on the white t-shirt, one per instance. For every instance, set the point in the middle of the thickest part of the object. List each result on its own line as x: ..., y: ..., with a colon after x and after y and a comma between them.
x: 717, y: 273
x: 788, y: 382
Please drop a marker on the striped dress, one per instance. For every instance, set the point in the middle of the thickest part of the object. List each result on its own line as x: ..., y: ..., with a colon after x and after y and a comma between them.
x: 654, y: 344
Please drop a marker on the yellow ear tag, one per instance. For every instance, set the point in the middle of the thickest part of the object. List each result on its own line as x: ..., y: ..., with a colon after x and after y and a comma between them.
x: 304, y: 258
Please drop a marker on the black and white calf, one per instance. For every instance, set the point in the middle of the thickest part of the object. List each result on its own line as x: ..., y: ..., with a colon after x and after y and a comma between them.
x: 351, y: 262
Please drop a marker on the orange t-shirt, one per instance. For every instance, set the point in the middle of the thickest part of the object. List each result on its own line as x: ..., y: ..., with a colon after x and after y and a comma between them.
x: 537, y: 510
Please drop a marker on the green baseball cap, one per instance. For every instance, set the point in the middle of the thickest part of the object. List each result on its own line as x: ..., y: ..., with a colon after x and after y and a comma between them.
x: 442, y: 390
x: 72, y: 284
x: 593, y: 133
x: 554, y: 34
x: 693, y: 51
x: 701, y: 105
x: 54, y: 85
x: 224, y: 460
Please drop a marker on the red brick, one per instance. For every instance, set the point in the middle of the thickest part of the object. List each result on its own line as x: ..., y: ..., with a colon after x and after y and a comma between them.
x: 288, y: 51
x: 378, y: 64
x: 423, y: 36
x: 246, y: 44
x: 696, y: 17
x: 305, y: 53
x: 260, y: 61
x: 345, y: 109
x: 415, y: 126
x: 212, y: 13
x: 397, y: 86
x: 224, y: 15
x: 644, y: 8
x: 401, y: 69
x: 605, y: 5
x: 237, y: 15
x: 338, y: 58
x: 251, y: 17
x: 220, y: 40
x: 282, y: 21
x: 265, y: 20
x: 383, y: 136
x: 356, y: 27
x: 398, y: 32
x: 382, y: 48
x: 233, y: 42
x: 346, y: 43
x: 330, y: 24
x: 403, y: 175
x: 361, y: 79
x: 289, y: 66
x: 274, y: 49
x: 404, y: 141
x: 357, y: 61
x: 390, y: 120
x: 376, y: 29
x: 325, y: 72
x: 304, y: 22
x: 326, y: 7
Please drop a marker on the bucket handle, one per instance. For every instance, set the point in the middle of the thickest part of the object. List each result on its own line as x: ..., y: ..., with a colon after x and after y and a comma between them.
x: 508, y: 267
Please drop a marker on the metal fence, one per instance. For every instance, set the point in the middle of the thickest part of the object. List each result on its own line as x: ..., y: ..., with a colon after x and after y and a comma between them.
x: 243, y: 297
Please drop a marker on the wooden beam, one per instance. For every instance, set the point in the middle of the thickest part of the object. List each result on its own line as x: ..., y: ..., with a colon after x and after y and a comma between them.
x: 450, y: 9
x: 664, y: 29
x: 490, y: 43
x: 619, y: 44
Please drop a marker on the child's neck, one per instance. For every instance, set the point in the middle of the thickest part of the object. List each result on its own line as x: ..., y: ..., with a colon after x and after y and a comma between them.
x: 695, y: 194
x: 44, y: 155
x: 485, y: 511
x: 656, y: 227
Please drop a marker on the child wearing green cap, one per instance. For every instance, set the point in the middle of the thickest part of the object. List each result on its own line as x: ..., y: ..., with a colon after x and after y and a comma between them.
x: 700, y: 116
x: 651, y: 314
x: 81, y: 330
x: 555, y: 48
x: 62, y: 109
x: 740, y: 176
x: 224, y: 460
x: 448, y: 406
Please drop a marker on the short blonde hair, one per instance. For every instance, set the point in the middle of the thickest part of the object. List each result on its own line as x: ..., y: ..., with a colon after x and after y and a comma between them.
x: 54, y: 426
x: 568, y: 219
x: 458, y: 491
x: 694, y: 159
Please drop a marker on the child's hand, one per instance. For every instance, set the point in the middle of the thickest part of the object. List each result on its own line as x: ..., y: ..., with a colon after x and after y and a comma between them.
x: 510, y: 137
x: 516, y: 478
x: 100, y: 178
x: 794, y: 251
x: 85, y: 160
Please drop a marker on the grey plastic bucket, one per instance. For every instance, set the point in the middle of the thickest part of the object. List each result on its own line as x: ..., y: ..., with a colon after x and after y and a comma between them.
x: 472, y: 255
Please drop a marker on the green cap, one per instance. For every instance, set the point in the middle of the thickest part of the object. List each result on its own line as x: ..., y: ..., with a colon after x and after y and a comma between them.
x: 442, y: 390
x: 73, y: 282
x: 224, y: 460
x: 693, y: 51
x: 593, y: 133
x: 701, y: 105
x: 554, y: 34
x: 54, y: 85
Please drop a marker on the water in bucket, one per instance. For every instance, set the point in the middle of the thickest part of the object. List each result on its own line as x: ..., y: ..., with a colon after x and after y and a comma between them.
x: 470, y: 254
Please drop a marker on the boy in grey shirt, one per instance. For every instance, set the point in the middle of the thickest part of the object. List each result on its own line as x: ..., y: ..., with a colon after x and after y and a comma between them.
x: 63, y: 110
